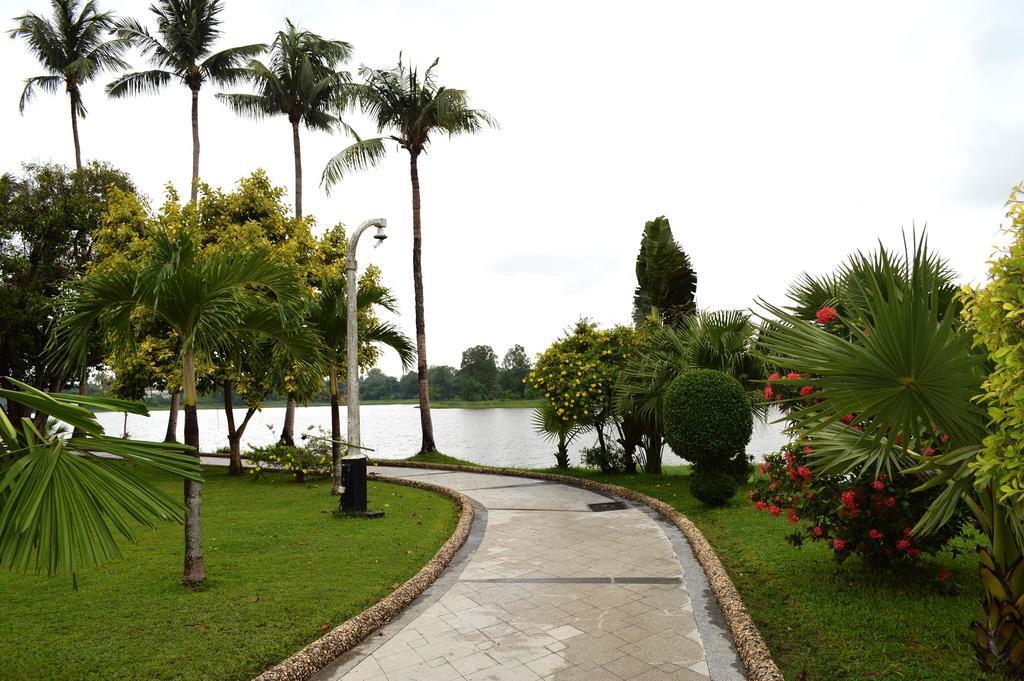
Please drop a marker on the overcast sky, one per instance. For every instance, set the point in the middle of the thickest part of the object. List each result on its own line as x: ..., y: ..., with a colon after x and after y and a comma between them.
x: 776, y: 137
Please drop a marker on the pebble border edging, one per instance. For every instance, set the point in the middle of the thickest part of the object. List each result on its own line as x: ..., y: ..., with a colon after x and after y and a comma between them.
x: 749, y: 643
x: 318, y: 654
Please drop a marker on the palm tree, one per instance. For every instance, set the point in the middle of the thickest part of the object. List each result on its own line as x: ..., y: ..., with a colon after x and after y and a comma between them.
x: 329, y: 320
x: 188, y: 29
x: 666, y: 282
x: 301, y: 82
x: 548, y: 424
x: 907, y: 369
x: 73, y: 48
x: 208, y: 299
x: 407, y: 110
x: 61, y: 505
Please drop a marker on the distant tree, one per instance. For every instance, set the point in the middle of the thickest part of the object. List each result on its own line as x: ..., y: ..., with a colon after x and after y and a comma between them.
x: 408, y: 109
x: 666, y: 283
x: 444, y: 382
x: 74, y: 48
x: 49, y: 217
x: 408, y: 386
x: 478, y: 376
x: 515, y: 367
x: 376, y: 385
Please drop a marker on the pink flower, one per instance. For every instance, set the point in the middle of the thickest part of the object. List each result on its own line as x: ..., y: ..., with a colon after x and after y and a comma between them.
x: 827, y: 315
x: 818, y: 532
x: 760, y: 506
x: 930, y: 451
x: 838, y: 544
x: 793, y: 376
x: 806, y: 390
x: 774, y: 377
x: 808, y: 450
x: 878, y: 485
x: 944, y: 575
x: 903, y: 544
x: 774, y: 510
x: 944, y: 438
x: 769, y: 394
x: 875, y: 534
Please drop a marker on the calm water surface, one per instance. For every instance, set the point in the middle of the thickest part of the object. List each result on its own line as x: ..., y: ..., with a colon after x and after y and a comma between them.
x: 495, y: 437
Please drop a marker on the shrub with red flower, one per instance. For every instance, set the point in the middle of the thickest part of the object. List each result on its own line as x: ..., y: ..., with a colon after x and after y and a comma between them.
x: 870, y: 517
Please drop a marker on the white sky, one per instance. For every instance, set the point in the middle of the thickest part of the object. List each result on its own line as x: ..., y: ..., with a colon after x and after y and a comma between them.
x: 776, y: 137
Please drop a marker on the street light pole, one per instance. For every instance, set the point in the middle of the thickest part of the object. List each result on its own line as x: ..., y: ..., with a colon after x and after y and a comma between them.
x: 352, y: 336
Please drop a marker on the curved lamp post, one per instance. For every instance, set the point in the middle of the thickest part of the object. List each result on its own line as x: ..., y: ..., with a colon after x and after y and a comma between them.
x: 352, y: 335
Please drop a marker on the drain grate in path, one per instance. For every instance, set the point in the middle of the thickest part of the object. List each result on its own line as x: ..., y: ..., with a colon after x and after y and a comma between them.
x: 607, y: 506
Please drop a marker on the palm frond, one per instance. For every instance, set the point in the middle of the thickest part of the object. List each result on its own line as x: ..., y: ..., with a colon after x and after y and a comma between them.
x: 359, y: 156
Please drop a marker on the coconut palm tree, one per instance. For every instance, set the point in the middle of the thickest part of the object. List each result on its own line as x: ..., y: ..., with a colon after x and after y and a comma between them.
x: 207, y: 298
x: 61, y: 505
x: 408, y: 110
x: 906, y: 368
x: 329, y: 320
x: 300, y: 81
x: 74, y: 49
x: 188, y: 29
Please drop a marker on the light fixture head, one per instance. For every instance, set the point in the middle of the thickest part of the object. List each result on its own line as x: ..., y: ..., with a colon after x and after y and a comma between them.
x: 380, y: 235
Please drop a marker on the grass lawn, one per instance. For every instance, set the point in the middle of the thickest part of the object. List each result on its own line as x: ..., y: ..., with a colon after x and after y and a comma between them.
x: 824, y: 622
x: 280, y: 566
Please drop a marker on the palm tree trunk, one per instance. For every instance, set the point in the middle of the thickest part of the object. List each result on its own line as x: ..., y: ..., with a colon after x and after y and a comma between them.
x: 426, y: 424
x: 172, y: 418
x: 335, y: 431
x: 73, y: 96
x: 194, y: 195
x: 288, y: 431
x: 195, y: 569
x: 297, y: 148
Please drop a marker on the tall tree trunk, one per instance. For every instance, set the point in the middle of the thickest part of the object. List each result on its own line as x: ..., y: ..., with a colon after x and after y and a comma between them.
x: 297, y: 148
x: 194, y: 194
x: 335, y: 431
x: 653, y: 453
x: 73, y: 96
x: 83, y: 389
x: 234, y: 438
x: 426, y: 424
x: 195, y: 569
x: 288, y: 431
x: 172, y: 418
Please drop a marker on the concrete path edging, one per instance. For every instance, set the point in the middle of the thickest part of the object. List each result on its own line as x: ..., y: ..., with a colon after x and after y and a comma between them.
x: 750, y: 645
x: 321, y: 652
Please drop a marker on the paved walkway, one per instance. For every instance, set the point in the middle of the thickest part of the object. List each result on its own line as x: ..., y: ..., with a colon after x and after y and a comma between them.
x: 547, y: 588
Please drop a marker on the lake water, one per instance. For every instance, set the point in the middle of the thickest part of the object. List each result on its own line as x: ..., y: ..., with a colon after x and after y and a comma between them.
x: 494, y: 437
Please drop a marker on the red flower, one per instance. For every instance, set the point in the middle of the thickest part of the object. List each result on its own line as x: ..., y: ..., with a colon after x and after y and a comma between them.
x: 944, y: 438
x: 890, y: 502
x: 793, y: 517
x: 827, y: 315
x: 848, y: 419
x: 818, y: 532
x: 867, y: 332
x: 769, y: 394
x: 793, y: 376
x: 906, y: 531
x: 760, y: 506
x: 849, y: 500
x: 806, y: 390
x: 914, y: 552
x: 930, y: 451
x: 857, y: 426
x: 774, y: 377
x: 878, y: 485
x: 808, y: 450
x: 875, y: 534
x: 838, y: 544
x: 774, y: 510
x: 805, y: 472
x: 903, y: 544
x: 944, y: 575
x: 808, y: 495
x: 793, y: 475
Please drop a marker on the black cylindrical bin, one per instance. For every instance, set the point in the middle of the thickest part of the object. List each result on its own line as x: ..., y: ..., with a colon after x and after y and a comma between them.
x: 353, y: 482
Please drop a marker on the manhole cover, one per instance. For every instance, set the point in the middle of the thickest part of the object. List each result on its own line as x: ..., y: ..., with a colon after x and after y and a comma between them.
x: 607, y: 506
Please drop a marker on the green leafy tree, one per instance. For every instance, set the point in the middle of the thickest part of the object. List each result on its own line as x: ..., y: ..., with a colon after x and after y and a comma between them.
x: 74, y: 48
x: 515, y: 367
x: 187, y: 32
x: 301, y: 81
x: 444, y: 383
x: 408, y: 110
x: 49, y: 220
x: 408, y: 385
x: 376, y: 385
x: 61, y: 504
x: 666, y: 282
x: 478, y: 375
x: 207, y: 298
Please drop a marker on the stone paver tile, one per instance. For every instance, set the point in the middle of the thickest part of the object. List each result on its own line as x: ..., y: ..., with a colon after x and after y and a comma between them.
x: 548, y: 665
x: 472, y: 663
x: 564, y: 632
x: 627, y: 667
x: 513, y: 673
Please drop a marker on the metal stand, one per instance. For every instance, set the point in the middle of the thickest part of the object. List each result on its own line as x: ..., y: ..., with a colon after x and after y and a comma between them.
x: 353, y: 488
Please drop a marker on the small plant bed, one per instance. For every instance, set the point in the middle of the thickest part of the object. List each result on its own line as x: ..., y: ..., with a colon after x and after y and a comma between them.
x: 436, y: 457
x: 280, y: 569
x: 824, y: 621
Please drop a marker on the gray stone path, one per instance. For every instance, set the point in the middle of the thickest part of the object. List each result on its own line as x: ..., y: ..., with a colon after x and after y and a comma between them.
x: 546, y: 588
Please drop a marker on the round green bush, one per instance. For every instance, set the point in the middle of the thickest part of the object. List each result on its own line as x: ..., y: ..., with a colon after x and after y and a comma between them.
x: 708, y: 419
x: 712, y: 487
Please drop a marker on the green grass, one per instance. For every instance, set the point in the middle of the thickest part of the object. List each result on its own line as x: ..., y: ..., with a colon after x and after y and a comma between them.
x: 279, y: 564
x: 827, y: 622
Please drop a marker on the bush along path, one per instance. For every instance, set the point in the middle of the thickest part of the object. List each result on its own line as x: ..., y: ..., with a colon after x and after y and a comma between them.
x: 555, y: 583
